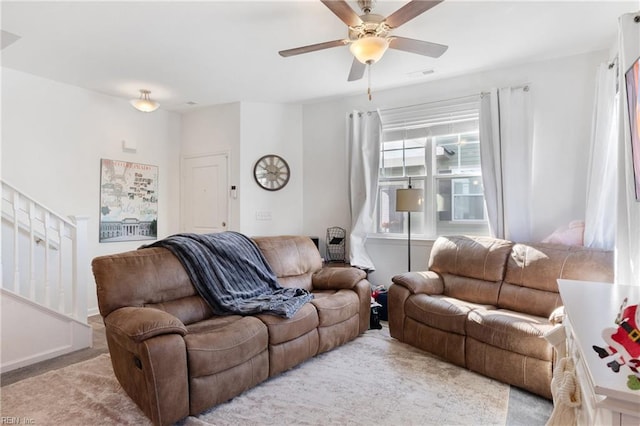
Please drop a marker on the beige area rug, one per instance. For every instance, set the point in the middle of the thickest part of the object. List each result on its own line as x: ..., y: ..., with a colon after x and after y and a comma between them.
x: 373, y: 380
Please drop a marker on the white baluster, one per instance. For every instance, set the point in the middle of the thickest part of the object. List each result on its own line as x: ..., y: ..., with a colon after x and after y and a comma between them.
x: 32, y: 253
x: 61, y: 226
x: 47, y: 248
x: 16, y: 243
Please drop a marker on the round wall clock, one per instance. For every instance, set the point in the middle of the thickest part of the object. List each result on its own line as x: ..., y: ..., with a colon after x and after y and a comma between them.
x: 271, y: 172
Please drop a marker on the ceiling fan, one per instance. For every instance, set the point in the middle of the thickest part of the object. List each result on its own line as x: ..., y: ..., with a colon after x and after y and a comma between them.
x: 370, y: 34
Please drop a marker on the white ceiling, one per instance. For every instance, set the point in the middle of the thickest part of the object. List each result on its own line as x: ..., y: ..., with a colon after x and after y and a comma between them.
x: 214, y: 52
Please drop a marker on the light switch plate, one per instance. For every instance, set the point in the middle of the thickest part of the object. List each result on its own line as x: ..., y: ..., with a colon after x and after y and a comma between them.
x: 263, y: 215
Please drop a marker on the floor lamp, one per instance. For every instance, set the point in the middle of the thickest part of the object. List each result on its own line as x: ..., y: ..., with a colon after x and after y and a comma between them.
x: 409, y: 200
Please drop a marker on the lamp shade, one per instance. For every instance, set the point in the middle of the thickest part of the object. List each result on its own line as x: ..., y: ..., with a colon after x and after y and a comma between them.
x: 409, y: 200
x: 369, y: 49
x: 143, y: 103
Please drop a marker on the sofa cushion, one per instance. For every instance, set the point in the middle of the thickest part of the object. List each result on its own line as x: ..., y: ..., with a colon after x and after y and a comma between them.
x: 297, y: 281
x: 139, y: 278
x: 526, y: 372
x: 188, y: 309
x: 449, y: 346
x: 528, y: 300
x: 335, y: 306
x: 511, y: 331
x: 293, y: 259
x: 286, y: 329
x: 471, y: 289
x: 335, y: 335
x: 440, y: 312
x: 286, y: 355
x: 333, y: 278
x: 482, y: 258
x: 223, y: 342
x: 530, y: 283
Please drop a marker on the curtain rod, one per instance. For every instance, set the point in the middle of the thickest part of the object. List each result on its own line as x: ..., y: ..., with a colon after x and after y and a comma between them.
x: 429, y: 103
x: 524, y: 86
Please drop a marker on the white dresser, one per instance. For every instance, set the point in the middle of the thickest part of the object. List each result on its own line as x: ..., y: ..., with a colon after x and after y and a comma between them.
x: 590, y: 308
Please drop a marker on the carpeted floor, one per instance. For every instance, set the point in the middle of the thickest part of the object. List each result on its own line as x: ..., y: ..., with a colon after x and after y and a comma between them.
x: 371, y: 380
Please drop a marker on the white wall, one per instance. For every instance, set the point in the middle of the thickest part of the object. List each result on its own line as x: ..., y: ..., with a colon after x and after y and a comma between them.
x: 271, y: 129
x: 31, y: 334
x: 249, y: 130
x: 562, y: 97
x: 216, y: 130
x: 326, y: 178
x: 53, y: 137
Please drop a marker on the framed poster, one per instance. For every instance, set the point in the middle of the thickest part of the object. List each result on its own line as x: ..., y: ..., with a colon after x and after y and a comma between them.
x: 128, y: 201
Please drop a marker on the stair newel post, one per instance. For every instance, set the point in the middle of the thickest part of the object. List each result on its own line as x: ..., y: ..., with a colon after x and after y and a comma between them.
x: 80, y: 268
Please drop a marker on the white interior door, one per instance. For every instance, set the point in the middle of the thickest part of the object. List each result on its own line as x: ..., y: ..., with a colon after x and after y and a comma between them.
x: 205, y: 197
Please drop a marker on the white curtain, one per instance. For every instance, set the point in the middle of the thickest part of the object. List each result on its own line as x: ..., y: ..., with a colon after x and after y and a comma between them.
x: 506, y: 152
x: 365, y: 133
x: 627, y: 267
x: 491, y: 162
x: 600, y: 226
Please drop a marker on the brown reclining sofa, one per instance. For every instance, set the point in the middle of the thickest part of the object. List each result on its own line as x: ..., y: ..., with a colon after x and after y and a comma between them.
x: 175, y: 358
x: 485, y: 304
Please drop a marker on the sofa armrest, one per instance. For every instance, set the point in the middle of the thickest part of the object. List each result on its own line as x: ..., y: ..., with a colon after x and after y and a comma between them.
x: 149, y: 358
x: 140, y: 324
x: 557, y: 316
x: 337, y: 278
x: 427, y: 282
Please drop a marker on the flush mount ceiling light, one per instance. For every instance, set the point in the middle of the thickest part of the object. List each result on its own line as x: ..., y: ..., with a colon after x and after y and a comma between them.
x: 144, y: 103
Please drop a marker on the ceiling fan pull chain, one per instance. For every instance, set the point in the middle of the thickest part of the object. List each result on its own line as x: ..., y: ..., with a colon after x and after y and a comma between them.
x: 369, y: 80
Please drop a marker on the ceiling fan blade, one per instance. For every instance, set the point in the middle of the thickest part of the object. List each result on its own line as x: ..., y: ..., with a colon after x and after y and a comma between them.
x: 343, y: 11
x: 357, y: 70
x: 410, y: 11
x: 420, y: 47
x: 312, y: 47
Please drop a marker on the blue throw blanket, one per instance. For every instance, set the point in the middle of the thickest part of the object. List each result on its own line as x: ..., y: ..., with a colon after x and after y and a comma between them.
x: 232, y: 275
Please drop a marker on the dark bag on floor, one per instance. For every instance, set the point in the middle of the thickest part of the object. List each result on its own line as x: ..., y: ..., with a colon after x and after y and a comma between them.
x: 374, y: 321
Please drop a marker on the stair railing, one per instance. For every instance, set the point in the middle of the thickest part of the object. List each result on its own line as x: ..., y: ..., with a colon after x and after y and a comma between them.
x: 48, y: 254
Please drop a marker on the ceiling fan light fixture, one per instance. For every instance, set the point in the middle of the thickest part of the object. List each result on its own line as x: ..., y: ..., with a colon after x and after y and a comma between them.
x: 369, y: 49
x: 144, y: 103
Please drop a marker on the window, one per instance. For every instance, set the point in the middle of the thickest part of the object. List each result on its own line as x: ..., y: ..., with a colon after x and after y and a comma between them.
x: 438, y: 150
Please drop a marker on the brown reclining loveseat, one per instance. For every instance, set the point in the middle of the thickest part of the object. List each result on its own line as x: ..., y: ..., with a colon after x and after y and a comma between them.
x: 485, y: 304
x: 175, y: 358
